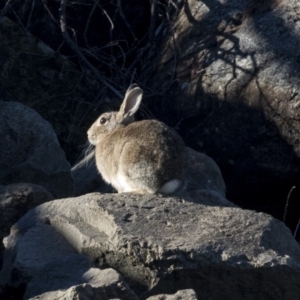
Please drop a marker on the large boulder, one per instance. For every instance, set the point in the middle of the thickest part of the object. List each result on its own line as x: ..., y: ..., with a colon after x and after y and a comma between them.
x: 161, y: 245
x: 180, y: 295
x: 30, y: 151
x: 75, y: 275
x: 39, y: 77
x: 229, y: 71
x: 203, y: 173
x: 15, y: 201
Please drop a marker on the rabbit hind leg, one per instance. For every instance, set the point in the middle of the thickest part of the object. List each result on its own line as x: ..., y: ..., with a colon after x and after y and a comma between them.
x: 124, y: 184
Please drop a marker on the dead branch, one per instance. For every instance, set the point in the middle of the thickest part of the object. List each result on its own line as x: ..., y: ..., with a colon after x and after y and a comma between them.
x: 30, y: 15
x: 74, y: 47
x: 125, y: 20
x: 49, y: 12
x: 151, y: 32
x: 89, y: 21
x: 6, y: 7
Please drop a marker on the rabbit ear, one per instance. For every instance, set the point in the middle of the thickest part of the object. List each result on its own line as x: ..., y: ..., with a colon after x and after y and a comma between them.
x: 132, y: 87
x: 131, y: 103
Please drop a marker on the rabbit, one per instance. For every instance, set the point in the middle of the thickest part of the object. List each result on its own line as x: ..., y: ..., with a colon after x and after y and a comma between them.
x: 145, y: 157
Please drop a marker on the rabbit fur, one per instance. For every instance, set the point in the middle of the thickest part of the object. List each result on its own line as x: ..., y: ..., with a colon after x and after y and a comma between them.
x: 146, y: 157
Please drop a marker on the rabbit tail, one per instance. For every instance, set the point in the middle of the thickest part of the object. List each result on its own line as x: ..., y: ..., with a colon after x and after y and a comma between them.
x: 172, y: 186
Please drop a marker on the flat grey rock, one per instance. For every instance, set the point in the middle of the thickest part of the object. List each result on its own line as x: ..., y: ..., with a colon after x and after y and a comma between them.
x: 162, y: 245
x: 74, y: 276
x: 32, y: 248
x: 15, y: 201
x: 180, y: 295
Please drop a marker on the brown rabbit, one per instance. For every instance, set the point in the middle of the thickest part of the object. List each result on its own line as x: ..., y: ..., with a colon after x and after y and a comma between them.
x: 145, y: 157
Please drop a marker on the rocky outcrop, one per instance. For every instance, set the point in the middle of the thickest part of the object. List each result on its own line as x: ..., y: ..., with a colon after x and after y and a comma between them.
x: 184, y: 295
x: 35, y: 75
x: 30, y: 151
x: 15, y: 201
x: 243, y: 60
x: 230, y: 72
x: 203, y: 173
x: 216, y: 75
x: 75, y: 275
x: 231, y: 96
x: 161, y: 245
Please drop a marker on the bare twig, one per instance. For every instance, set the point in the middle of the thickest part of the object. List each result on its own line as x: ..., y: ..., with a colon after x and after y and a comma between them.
x: 89, y: 21
x: 49, y: 12
x: 141, y: 53
x: 96, y: 55
x: 19, y: 20
x: 112, y: 26
x: 132, y: 77
x: 287, y: 203
x: 74, y: 47
x: 125, y: 20
x: 151, y: 32
x: 296, y: 230
x: 30, y: 15
x: 6, y: 7
x: 173, y: 4
x: 178, y: 124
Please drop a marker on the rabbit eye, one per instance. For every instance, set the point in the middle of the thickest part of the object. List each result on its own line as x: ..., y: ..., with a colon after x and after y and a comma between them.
x: 102, y: 120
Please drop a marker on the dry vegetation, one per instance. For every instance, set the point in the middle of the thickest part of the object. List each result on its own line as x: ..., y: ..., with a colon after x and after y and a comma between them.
x: 112, y: 40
